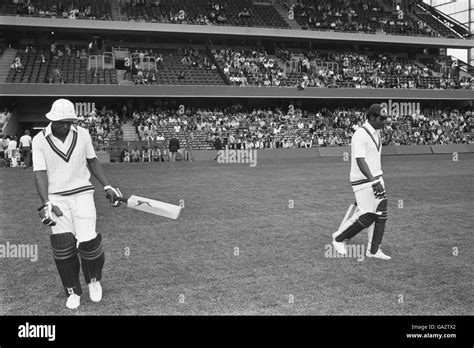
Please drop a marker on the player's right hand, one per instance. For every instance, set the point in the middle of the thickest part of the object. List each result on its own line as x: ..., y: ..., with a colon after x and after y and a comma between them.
x: 46, y: 213
x: 379, y: 190
x: 112, y: 193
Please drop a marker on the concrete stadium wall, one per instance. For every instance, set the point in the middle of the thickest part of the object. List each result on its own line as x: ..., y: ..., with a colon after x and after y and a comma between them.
x: 334, y: 151
x: 450, y: 148
x: 204, y: 155
x: 287, y: 153
x: 470, y: 147
x: 413, y: 149
x: 389, y: 151
x: 208, y: 155
x: 225, y: 91
x: 103, y: 157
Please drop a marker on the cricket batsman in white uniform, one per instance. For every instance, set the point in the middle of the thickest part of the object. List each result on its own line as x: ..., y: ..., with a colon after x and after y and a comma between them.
x: 368, y: 186
x: 63, y: 158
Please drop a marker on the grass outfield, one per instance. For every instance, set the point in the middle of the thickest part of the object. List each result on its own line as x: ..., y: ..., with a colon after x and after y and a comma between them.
x: 154, y: 264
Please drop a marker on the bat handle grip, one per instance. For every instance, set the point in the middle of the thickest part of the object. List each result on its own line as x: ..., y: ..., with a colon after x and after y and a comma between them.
x: 121, y: 199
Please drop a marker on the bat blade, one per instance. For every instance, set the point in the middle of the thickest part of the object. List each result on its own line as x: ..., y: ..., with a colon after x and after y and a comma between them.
x: 350, y: 211
x: 152, y: 206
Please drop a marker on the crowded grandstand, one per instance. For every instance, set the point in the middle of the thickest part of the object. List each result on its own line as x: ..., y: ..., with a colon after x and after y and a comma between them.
x: 293, y: 51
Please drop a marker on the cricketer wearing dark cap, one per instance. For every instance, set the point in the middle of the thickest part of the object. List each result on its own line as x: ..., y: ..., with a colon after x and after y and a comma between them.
x: 368, y: 186
x: 377, y: 110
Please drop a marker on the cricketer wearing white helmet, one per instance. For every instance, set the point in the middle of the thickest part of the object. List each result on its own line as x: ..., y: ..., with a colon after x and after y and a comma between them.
x: 368, y: 186
x: 63, y: 158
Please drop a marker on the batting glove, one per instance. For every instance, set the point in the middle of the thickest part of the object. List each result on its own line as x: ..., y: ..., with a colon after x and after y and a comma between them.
x: 379, y: 190
x: 46, y: 213
x: 112, y: 193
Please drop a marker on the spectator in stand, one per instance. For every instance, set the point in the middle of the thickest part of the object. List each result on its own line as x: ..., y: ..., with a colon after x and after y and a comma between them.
x: 245, y: 13
x: 165, y: 155
x: 146, y: 154
x: 124, y: 156
x: 218, y: 144
x: 135, y: 155
x: 174, y: 146
x: 156, y: 154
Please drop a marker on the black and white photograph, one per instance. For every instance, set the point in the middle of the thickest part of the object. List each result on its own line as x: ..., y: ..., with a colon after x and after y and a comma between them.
x: 181, y: 169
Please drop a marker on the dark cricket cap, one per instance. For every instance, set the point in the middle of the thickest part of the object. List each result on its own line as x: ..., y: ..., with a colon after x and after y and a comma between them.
x: 378, y: 110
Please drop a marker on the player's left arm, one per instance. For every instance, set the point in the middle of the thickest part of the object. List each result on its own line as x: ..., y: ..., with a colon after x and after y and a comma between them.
x: 97, y: 170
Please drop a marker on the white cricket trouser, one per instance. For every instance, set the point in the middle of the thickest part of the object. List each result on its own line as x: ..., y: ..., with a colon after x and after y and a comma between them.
x: 366, y: 203
x: 79, y: 215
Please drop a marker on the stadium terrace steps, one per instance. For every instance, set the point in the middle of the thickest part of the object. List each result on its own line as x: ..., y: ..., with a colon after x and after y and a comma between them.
x: 129, y: 133
x: 292, y: 23
x: 115, y: 8
x: 120, y: 75
x: 5, y: 62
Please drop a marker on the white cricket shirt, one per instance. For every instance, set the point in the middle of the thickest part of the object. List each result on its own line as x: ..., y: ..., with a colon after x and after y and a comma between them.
x: 65, y: 163
x: 366, y: 143
x: 25, y: 141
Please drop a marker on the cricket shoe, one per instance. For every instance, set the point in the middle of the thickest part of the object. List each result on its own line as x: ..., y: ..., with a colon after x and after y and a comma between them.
x: 95, y: 290
x: 378, y: 255
x: 339, y: 246
x: 73, y: 301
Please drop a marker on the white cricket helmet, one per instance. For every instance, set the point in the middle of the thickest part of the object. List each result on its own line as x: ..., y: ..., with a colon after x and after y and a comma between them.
x: 62, y: 109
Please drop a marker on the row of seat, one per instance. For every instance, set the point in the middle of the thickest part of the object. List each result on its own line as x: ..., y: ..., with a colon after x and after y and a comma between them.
x: 369, y: 18
x: 171, y: 71
x: 261, y: 15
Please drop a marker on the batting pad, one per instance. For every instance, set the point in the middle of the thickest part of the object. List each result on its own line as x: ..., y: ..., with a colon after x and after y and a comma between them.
x: 92, y: 258
x: 67, y: 261
x: 363, y: 221
x: 379, y: 226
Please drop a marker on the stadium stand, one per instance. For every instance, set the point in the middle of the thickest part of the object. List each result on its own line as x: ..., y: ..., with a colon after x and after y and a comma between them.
x: 188, y: 66
x: 446, y: 25
x: 244, y: 66
x: 104, y: 126
x: 366, y: 16
x: 262, y: 62
x: 57, y: 64
x: 239, y: 13
x: 248, y: 128
x: 249, y: 67
x: 80, y: 9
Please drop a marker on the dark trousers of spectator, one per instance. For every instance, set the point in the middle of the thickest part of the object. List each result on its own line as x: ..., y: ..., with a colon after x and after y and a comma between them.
x: 239, y: 146
x: 26, y: 153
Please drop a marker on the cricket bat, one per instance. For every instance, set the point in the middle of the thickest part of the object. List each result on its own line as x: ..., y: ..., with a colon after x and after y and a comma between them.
x: 152, y: 206
x: 350, y: 211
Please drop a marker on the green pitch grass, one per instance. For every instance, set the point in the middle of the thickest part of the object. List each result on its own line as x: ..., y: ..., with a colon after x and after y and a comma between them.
x: 238, y: 248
